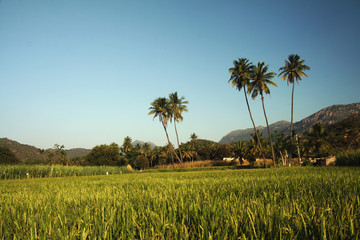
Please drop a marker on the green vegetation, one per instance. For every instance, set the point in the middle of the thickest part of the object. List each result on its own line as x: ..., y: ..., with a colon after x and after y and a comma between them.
x: 40, y: 171
x: 282, y: 203
x: 348, y: 158
x: 240, y: 78
x: 7, y: 157
x: 260, y: 79
x: 105, y: 155
x: 292, y: 71
x: 169, y: 110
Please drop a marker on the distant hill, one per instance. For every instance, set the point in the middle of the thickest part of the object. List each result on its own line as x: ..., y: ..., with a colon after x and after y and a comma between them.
x: 244, y: 135
x: 30, y: 153
x: 22, y: 151
x: 77, y: 152
x: 326, y: 116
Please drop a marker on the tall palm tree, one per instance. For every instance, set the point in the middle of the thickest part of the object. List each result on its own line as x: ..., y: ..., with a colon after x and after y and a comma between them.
x: 160, y: 108
x: 259, y: 80
x: 178, y: 106
x: 240, y: 78
x: 127, y: 145
x: 293, y: 70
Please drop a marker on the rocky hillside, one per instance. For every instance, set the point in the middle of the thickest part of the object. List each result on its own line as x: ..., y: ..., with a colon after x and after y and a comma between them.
x: 244, y: 135
x: 326, y: 116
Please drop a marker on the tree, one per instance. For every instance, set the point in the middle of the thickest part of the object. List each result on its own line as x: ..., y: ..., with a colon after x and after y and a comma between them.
x: 260, y: 78
x: 146, y: 149
x: 219, y: 152
x: 127, y: 145
x: 240, y: 78
x: 141, y: 162
x: 58, y: 155
x: 240, y: 150
x: 177, y: 106
x: 254, y: 147
x: 160, y: 108
x: 316, y: 143
x: 293, y: 70
x: 108, y: 155
x: 7, y: 156
x: 193, y: 137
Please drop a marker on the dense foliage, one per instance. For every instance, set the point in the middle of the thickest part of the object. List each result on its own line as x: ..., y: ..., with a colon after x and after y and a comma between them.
x: 283, y: 203
x: 7, y: 157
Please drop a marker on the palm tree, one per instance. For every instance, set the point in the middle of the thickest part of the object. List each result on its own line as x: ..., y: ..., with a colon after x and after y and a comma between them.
x: 146, y: 149
x: 259, y: 80
x: 160, y: 108
x: 177, y: 106
x: 193, y: 137
x: 240, y: 150
x: 240, y: 78
x: 293, y: 70
x: 316, y: 142
x: 127, y: 145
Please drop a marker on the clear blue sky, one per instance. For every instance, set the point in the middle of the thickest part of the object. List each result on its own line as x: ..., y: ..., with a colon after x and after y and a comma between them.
x: 83, y: 73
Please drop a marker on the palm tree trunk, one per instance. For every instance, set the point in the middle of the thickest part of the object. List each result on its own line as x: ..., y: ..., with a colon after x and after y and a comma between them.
x: 267, y: 124
x: 292, y: 107
x: 177, y: 137
x: 257, y: 135
x: 170, y: 146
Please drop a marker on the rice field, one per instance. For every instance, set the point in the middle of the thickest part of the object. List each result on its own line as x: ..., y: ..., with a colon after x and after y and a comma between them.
x: 283, y: 203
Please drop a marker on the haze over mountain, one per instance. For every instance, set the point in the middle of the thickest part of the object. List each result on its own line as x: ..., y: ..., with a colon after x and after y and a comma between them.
x: 326, y: 116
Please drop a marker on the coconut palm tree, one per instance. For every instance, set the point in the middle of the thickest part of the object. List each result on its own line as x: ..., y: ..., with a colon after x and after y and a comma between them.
x: 160, y: 108
x: 127, y: 145
x: 260, y: 79
x: 292, y: 71
x: 193, y: 137
x: 240, y: 78
x: 177, y: 106
x: 240, y: 150
x: 146, y: 149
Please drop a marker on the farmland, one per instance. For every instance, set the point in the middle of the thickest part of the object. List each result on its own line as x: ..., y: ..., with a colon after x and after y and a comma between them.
x: 283, y: 203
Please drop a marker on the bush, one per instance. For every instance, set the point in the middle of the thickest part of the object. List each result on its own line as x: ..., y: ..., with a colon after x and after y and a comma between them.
x: 349, y: 158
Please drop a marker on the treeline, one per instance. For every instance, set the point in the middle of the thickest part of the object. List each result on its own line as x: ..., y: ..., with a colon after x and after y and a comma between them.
x: 341, y: 139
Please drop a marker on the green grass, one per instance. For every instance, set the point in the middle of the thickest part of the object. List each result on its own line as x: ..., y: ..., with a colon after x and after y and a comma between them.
x: 285, y: 203
x: 349, y: 158
x: 39, y: 171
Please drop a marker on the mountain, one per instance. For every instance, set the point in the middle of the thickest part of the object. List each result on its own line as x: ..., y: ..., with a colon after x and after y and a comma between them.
x: 22, y: 151
x: 30, y: 153
x: 77, y: 152
x: 326, y: 116
x: 244, y: 135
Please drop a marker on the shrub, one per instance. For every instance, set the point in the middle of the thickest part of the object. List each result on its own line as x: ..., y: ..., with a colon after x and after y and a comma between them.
x: 349, y: 158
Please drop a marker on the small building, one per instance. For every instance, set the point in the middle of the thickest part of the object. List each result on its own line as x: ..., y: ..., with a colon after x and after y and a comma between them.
x: 325, y: 161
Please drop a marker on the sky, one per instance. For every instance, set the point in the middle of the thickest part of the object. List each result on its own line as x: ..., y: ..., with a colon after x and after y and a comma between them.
x: 83, y: 73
